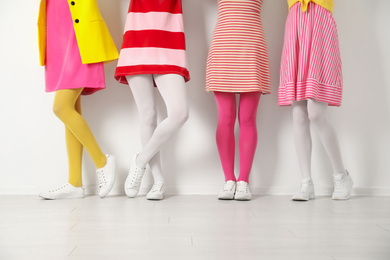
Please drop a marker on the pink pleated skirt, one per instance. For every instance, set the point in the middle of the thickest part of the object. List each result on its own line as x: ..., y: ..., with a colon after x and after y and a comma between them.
x: 64, y: 69
x: 311, y: 63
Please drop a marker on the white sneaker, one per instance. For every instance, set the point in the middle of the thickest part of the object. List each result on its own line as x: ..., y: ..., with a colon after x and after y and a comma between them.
x: 229, y: 188
x: 133, y: 180
x: 106, y: 176
x: 306, y: 191
x: 242, y: 191
x: 342, y: 186
x: 157, y: 192
x: 68, y: 191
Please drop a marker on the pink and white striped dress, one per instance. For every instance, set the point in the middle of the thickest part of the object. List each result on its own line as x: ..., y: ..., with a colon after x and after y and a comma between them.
x: 311, y: 63
x: 153, y: 40
x: 238, y: 56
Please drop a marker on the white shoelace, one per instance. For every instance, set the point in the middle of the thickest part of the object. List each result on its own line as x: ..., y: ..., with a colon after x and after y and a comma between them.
x: 226, y: 187
x: 305, y: 186
x: 242, y: 188
x: 60, y: 188
x: 101, y: 177
x: 137, y: 178
x: 338, y: 184
x: 157, y: 187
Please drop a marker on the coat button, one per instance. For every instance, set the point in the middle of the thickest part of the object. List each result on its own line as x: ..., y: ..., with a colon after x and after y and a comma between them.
x: 76, y: 21
x: 72, y: 3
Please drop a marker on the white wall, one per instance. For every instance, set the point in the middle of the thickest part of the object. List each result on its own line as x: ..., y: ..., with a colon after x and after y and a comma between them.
x: 33, y: 155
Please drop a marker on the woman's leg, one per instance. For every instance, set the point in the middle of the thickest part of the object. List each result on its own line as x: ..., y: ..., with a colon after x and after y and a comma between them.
x: 342, y: 180
x: 303, y: 147
x: 174, y: 93
x: 64, y: 108
x: 302, y: 137
x: 226, y: 103
x: 143, y: 91
x: 319, y: 118
x: 75, y: 153
x: 67, y: 107
x: 248, y: 132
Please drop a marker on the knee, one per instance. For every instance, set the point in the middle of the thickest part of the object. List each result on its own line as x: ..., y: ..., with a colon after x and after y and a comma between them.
x: 248, y: 121
x: 182, y: 117
x: 316, y: 117
x: 227, y: 118
x: 149, y: 119
x: 300, y: 116
x: 178, y: 118
x: 60, y: 110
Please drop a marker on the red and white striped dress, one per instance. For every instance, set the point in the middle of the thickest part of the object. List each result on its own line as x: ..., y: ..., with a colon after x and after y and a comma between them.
x: 238, y: 56
x: 311, y: 63
x: 153, y: 40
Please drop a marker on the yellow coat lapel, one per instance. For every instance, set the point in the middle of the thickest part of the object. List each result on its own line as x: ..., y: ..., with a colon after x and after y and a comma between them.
x: 42, y: 32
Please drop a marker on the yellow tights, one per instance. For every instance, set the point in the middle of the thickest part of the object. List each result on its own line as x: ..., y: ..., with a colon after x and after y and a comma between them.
x: 67, y: 107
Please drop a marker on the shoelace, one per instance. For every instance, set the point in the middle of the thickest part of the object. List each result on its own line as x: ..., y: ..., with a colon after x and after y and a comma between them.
x: 101, y: 177
x: 338, y: 184
x: 305, y: 186
x: 157, y: 187
x: 137, y: 178
x: 242, y: 188
x: 226, y: 187
x: 60, y: 188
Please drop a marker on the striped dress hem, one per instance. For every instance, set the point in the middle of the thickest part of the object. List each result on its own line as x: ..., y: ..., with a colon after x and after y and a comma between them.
x: 153, y: 40
x: 311, y: 63
x: 122, y: 72
x: 310, y: 89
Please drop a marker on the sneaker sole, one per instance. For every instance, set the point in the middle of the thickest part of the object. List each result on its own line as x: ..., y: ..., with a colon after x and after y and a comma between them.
x: 222, y: 198
x: 55, y: 198
x: 242, y: 198
x: 301, y: 199
x: 155, y: 198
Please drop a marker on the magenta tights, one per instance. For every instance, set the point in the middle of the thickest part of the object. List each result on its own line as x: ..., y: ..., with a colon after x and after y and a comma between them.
x: 247, y: 111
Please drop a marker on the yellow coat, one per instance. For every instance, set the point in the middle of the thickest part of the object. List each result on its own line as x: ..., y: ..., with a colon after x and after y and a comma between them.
x: 93, y: 38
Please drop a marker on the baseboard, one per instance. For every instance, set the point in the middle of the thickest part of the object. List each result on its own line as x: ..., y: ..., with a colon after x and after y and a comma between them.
x: 210, y: 190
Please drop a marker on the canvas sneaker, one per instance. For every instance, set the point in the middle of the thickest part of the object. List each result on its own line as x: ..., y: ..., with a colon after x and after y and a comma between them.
x: 242, y: 191
x: 67, y: 191
x: 106, y: 176
x: 229, y: 188
x: 134, y: 178
x: 342, y: 186
x: 157, y: 192
x: 306, y: 192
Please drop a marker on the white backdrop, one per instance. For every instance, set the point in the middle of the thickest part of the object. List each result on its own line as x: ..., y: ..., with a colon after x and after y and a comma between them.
x: 33, y: 155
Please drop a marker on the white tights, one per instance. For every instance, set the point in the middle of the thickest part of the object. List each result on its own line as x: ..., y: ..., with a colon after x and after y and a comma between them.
x: 173, y: 91
x: 312, y: 111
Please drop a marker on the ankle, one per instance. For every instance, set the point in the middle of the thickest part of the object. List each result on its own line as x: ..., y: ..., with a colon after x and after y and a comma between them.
x: 307, y: 180
x: 101, y: 162
x: 76, y: 184
x: 340, y: 174
x: 139, y: 162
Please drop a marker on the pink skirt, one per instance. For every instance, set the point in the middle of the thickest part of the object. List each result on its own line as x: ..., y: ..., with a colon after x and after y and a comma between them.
x: 64, y: 69
x: 311, y: 64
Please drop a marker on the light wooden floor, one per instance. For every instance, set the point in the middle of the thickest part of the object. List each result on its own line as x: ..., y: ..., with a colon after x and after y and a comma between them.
x: 194, y: 227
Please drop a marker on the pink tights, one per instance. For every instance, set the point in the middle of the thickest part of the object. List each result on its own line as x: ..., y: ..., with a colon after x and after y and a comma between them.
x: 247, y: 112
